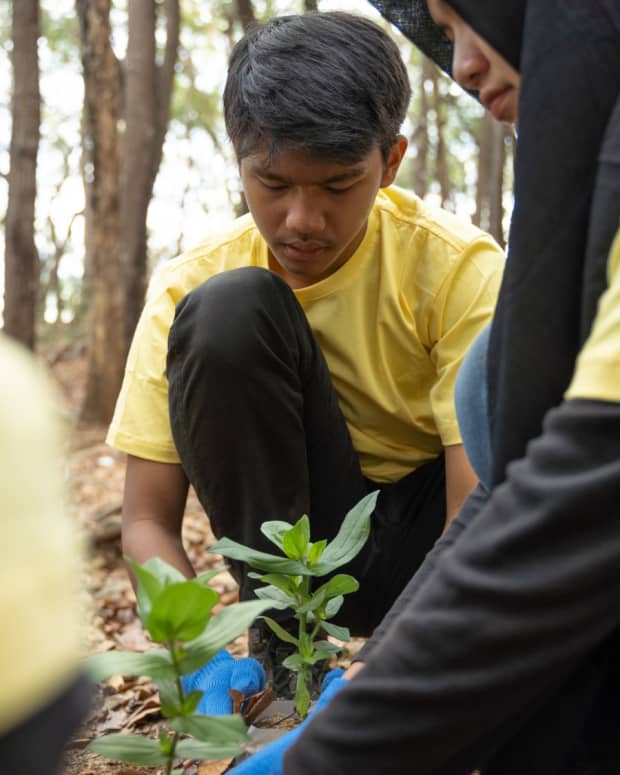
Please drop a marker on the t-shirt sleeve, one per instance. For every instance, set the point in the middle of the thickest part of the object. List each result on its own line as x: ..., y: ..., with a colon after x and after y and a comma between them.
x: 462, y: 306
x: 598, y: 364
x: 141, y: 423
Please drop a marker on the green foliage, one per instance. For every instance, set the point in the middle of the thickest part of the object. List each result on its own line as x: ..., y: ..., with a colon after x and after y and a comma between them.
x: 287, y: 581
x: 177, y: 613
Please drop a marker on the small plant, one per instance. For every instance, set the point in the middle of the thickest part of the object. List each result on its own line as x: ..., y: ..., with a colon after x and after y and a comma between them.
x: 177, y: 613
x: 288, y: 581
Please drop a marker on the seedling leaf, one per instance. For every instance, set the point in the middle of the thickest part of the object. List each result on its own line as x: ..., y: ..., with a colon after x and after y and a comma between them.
x: 279, y: 599
x: 275, y: 530
x: 295, y: 541
x: 351, y: 537
x: 341, y: 584
x: 133, y: 749
x: 280, y: 631
x: 181, y: 612
x: 206, y: 577
x: 316, y: 550
x: 194, y: 749
x: 155, y: 663
x: 261, y: 560
x: 221, y: 630
x: 341, y: 633
x: 224, y: 729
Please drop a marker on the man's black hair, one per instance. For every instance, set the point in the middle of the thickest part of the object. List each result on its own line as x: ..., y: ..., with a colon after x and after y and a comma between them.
x: 331, y: 84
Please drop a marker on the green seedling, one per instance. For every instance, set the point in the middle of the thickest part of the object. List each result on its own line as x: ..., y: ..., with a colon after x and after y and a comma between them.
x: 177, y: 614
x: 288, y: 579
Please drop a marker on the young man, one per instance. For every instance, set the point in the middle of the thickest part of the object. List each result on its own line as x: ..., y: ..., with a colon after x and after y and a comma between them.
x: 313, y: 352
x: 501, y: 654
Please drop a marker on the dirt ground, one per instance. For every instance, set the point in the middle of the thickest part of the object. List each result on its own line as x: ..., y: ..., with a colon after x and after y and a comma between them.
x: 96, y: 477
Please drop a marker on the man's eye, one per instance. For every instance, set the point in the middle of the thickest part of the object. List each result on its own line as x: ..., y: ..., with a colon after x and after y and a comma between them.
x: 333, y: 190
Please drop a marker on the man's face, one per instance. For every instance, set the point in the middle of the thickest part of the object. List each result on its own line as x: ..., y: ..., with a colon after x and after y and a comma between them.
x: 313, y: 213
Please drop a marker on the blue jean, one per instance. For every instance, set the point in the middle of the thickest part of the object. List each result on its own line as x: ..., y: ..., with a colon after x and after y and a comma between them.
x: 471, y: 400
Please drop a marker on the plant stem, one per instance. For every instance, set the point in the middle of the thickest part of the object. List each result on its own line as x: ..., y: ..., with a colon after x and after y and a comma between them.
x: 171, y: 754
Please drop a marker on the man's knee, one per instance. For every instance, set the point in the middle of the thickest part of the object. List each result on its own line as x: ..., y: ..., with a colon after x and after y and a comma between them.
x: 226, y: 316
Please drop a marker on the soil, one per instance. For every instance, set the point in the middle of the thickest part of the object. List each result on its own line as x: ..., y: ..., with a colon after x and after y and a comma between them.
x: 121, y: 704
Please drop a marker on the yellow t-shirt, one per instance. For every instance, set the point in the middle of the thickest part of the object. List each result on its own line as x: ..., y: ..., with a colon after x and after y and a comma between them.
x: 39, y: 567
x: 597, y: 373
x: 394, y: 323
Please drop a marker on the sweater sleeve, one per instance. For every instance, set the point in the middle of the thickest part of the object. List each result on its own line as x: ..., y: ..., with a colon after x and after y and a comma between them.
x: 471, y: 507
x: 509, y: 613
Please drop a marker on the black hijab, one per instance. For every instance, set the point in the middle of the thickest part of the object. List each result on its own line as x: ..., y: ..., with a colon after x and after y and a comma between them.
x: 567, y: 198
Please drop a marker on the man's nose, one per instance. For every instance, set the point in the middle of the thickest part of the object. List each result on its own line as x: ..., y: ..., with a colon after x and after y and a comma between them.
x: 305, y: 214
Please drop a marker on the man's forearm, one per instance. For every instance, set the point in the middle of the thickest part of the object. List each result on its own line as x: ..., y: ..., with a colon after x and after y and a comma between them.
x: 143, y: 539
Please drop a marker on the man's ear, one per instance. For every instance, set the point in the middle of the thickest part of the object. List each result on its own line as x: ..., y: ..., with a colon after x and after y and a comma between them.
x: 395, y: 157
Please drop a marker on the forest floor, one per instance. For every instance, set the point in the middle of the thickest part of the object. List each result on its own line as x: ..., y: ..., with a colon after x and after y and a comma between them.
x: 96, y: 477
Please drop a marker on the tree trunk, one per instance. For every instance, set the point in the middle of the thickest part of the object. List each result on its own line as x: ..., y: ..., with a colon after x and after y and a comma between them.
x: 120, y: 170
x: 441, y: 157
x: 489, y: 191
x: 107, y: 335
x: 244, y: 11
x: 147, y: 97
x: 21, y: 257
x: 420, y: 139
x: 310, y: 5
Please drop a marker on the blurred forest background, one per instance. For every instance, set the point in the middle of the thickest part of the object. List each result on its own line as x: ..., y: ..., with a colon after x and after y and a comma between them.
x: 113, y: 159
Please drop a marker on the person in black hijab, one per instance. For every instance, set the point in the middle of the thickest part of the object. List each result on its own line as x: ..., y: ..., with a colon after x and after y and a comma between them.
x: 500, y: 655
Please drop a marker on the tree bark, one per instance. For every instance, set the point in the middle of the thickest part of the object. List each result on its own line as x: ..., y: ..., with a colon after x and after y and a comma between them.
x: 21, y: 257
x: 489, y: 191
x: 126, y: 117
x: 244, y: 10
x: 420, y: 139
x: 106, y: 331
x: 441, y: 157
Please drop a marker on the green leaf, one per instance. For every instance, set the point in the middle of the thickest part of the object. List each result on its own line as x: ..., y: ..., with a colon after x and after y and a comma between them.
x: 261, y: 560
x: 322, y: 650
x: 282, y: 582
x: 280, y: 631
x: 149, y: 587
x: 181, y: 612
x: 155, y: 663
x: 295, y: 541
x: 206, y: 577
x: 316, y: 550
x: 194, y: 749
x: 274, y: 530
x: 316, y: 601
x: 333, y: 606
x: 293, y: 662
x: 341, y: 633
x: 168, y: 697
x: 351, y: 537
x: 221, y: 630
x: 302, y: 696
x: 340, y: 584
x: 133, y: 749
x: 278, y: 599
x: 213, y: 729
x: 165, y: 573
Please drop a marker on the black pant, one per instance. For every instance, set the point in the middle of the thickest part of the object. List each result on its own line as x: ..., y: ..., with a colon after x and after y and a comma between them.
x: 260, y: 434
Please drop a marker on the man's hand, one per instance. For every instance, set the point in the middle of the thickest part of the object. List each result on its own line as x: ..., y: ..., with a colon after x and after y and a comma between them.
x: 221, y: 674
x: 268, y: 761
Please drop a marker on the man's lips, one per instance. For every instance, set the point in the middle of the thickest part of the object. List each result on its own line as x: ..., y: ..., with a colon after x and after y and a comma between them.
x: 297, y: 248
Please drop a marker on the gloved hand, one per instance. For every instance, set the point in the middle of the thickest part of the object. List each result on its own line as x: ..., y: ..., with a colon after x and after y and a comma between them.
x: 268, y: 761
x: 221, y: 673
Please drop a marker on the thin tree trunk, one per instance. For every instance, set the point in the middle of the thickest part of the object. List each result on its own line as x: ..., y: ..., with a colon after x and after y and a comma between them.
x: 420, y: 139
x: 311, y: 5
x: 107, y: 336
x: 441, y: 157
x: 21, y: 257
x: 489, y: 191
x: 244, y: 10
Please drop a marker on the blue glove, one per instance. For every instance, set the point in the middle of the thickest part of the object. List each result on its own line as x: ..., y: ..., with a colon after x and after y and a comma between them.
x: 268, y: 761
x: 221, y: 673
